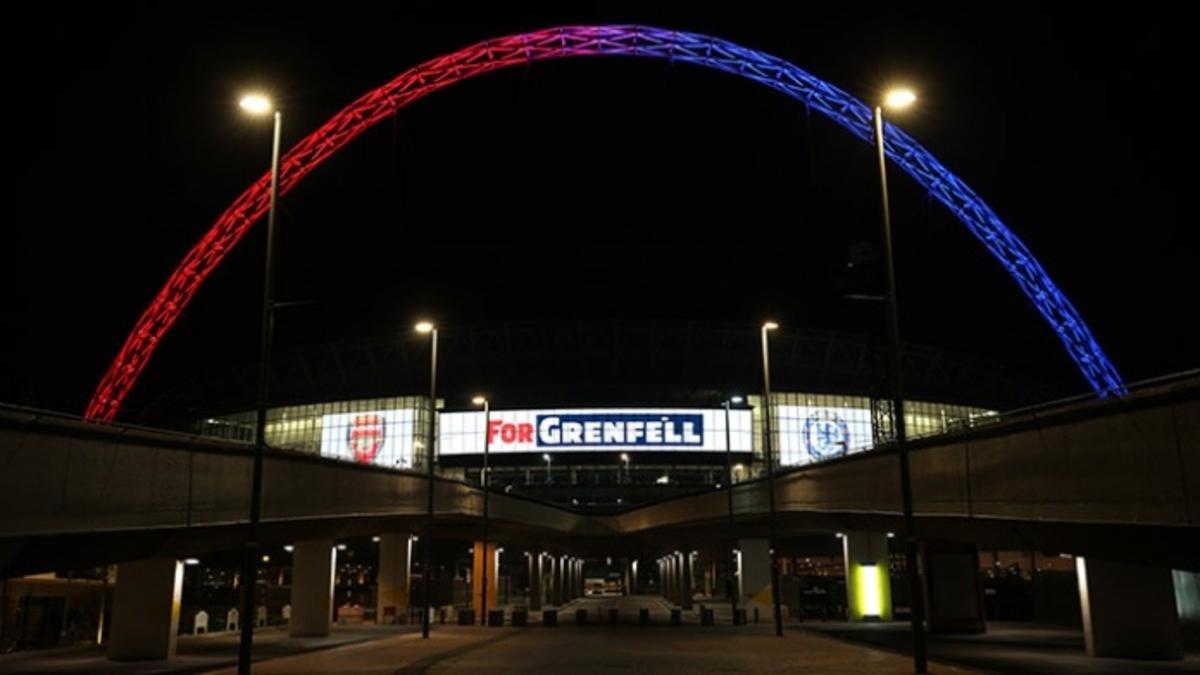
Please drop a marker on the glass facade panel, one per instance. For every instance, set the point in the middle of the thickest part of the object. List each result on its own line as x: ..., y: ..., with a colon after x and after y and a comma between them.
x: 392, y: 432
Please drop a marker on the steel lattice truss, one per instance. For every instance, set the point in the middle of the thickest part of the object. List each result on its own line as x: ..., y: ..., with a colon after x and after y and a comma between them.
x: 567, y: 41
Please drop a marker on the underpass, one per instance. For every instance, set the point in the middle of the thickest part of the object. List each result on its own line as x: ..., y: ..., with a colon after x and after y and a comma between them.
x: 1114, y: 483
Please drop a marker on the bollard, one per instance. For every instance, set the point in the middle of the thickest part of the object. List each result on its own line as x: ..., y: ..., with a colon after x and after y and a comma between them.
x: 755, y: 615
x: 441, y: 615
x: 706, y: 616
x: 466, y: 617
x: 549, y: 617
x: 643, y: 617
x: 676, y: 617
x: 739, y: 617
x: 614, y: 616
x: 496, y: 617
x: 520, y: 617
x: 580, y: 617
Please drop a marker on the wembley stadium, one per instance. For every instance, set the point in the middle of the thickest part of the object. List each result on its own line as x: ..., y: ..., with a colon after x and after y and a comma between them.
x: 596, y: 414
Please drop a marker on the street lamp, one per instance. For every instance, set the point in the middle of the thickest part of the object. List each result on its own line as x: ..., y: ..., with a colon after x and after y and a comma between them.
x: 257, y: 104
x: 729, y: 490
x: 546, y: 457
x: 625, y: 459
x: 484, y: 479
x: 427, y: 328
x: 898, y: 99
x: 767, y: 327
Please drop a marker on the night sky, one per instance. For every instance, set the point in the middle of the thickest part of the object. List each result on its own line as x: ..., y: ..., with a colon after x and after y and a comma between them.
x: 593, y: 188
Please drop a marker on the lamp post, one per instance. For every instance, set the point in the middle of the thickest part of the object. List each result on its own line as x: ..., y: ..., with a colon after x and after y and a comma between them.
x: 896, y: 99
x: 484, y: 479
x: 257, y: 104
x: 427, y: 328
x: 625, y: 460
x: 766, y: 364
x: 729, y: 493
x: 546, y: 457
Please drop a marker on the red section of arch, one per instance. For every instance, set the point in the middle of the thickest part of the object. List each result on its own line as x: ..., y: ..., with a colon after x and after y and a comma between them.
x: 315, y: 148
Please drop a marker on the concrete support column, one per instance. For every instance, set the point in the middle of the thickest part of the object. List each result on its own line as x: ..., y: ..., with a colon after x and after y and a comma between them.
x: 535, y: 581
x: 568, y: 573
x: 1128, y: 611
x: 392, y: 580
x: 672, y: 580
x: 145, y: 613
x: 737, y: 574
x: 312, y: 588
x: 686, y: 580
x: 868, y: 584
x: 756, y: 575
x: 555, y: 598
x: 480, y: 559
x: 954, y: 596
x: 559, y: 563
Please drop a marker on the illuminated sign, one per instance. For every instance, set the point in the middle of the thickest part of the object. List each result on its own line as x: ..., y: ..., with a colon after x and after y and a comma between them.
x: 379, y: 437
x: 812, y: 434
x: 593, y: 430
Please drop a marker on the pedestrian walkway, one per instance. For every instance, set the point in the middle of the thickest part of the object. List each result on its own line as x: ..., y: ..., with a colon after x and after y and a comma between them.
x: 195, y: 653
x: 652, y: 650
x: 1006, y: 647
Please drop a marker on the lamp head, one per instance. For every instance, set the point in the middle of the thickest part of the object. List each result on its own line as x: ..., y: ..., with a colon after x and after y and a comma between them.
x: 256, y: 104
x: 900, y: 98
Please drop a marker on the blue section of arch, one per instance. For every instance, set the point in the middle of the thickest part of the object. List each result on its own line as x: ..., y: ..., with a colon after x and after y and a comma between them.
x: 901, y: 149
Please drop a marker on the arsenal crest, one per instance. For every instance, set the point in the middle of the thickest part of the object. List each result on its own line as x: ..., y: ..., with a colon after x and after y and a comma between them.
x: 365, y: 437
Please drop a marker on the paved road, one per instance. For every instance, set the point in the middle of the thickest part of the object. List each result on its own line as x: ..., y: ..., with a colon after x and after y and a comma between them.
x: 599, y: 648
x: 596, y: 647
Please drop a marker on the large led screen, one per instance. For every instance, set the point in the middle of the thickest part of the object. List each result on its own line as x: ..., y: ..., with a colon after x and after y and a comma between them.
x: 595, y: 430
x: 816, y: 433
x: 380, y: 437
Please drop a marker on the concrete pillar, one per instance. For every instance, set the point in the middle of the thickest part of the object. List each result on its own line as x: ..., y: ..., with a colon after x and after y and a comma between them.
x: 564, y: 565
x: 312, y: 588
x: 868, y: 585
x: 756, y: 575
x: 954, y: 596
x: 672, y: 580
x: 145, y: 613
x: 737, y: 574
x: 686, y: 580
x: 482, y: 558
x: 570, y: 579
x: 393, y: 578
x: 553, y: 598
x: 1128, y: 611
x: 535, y: 581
